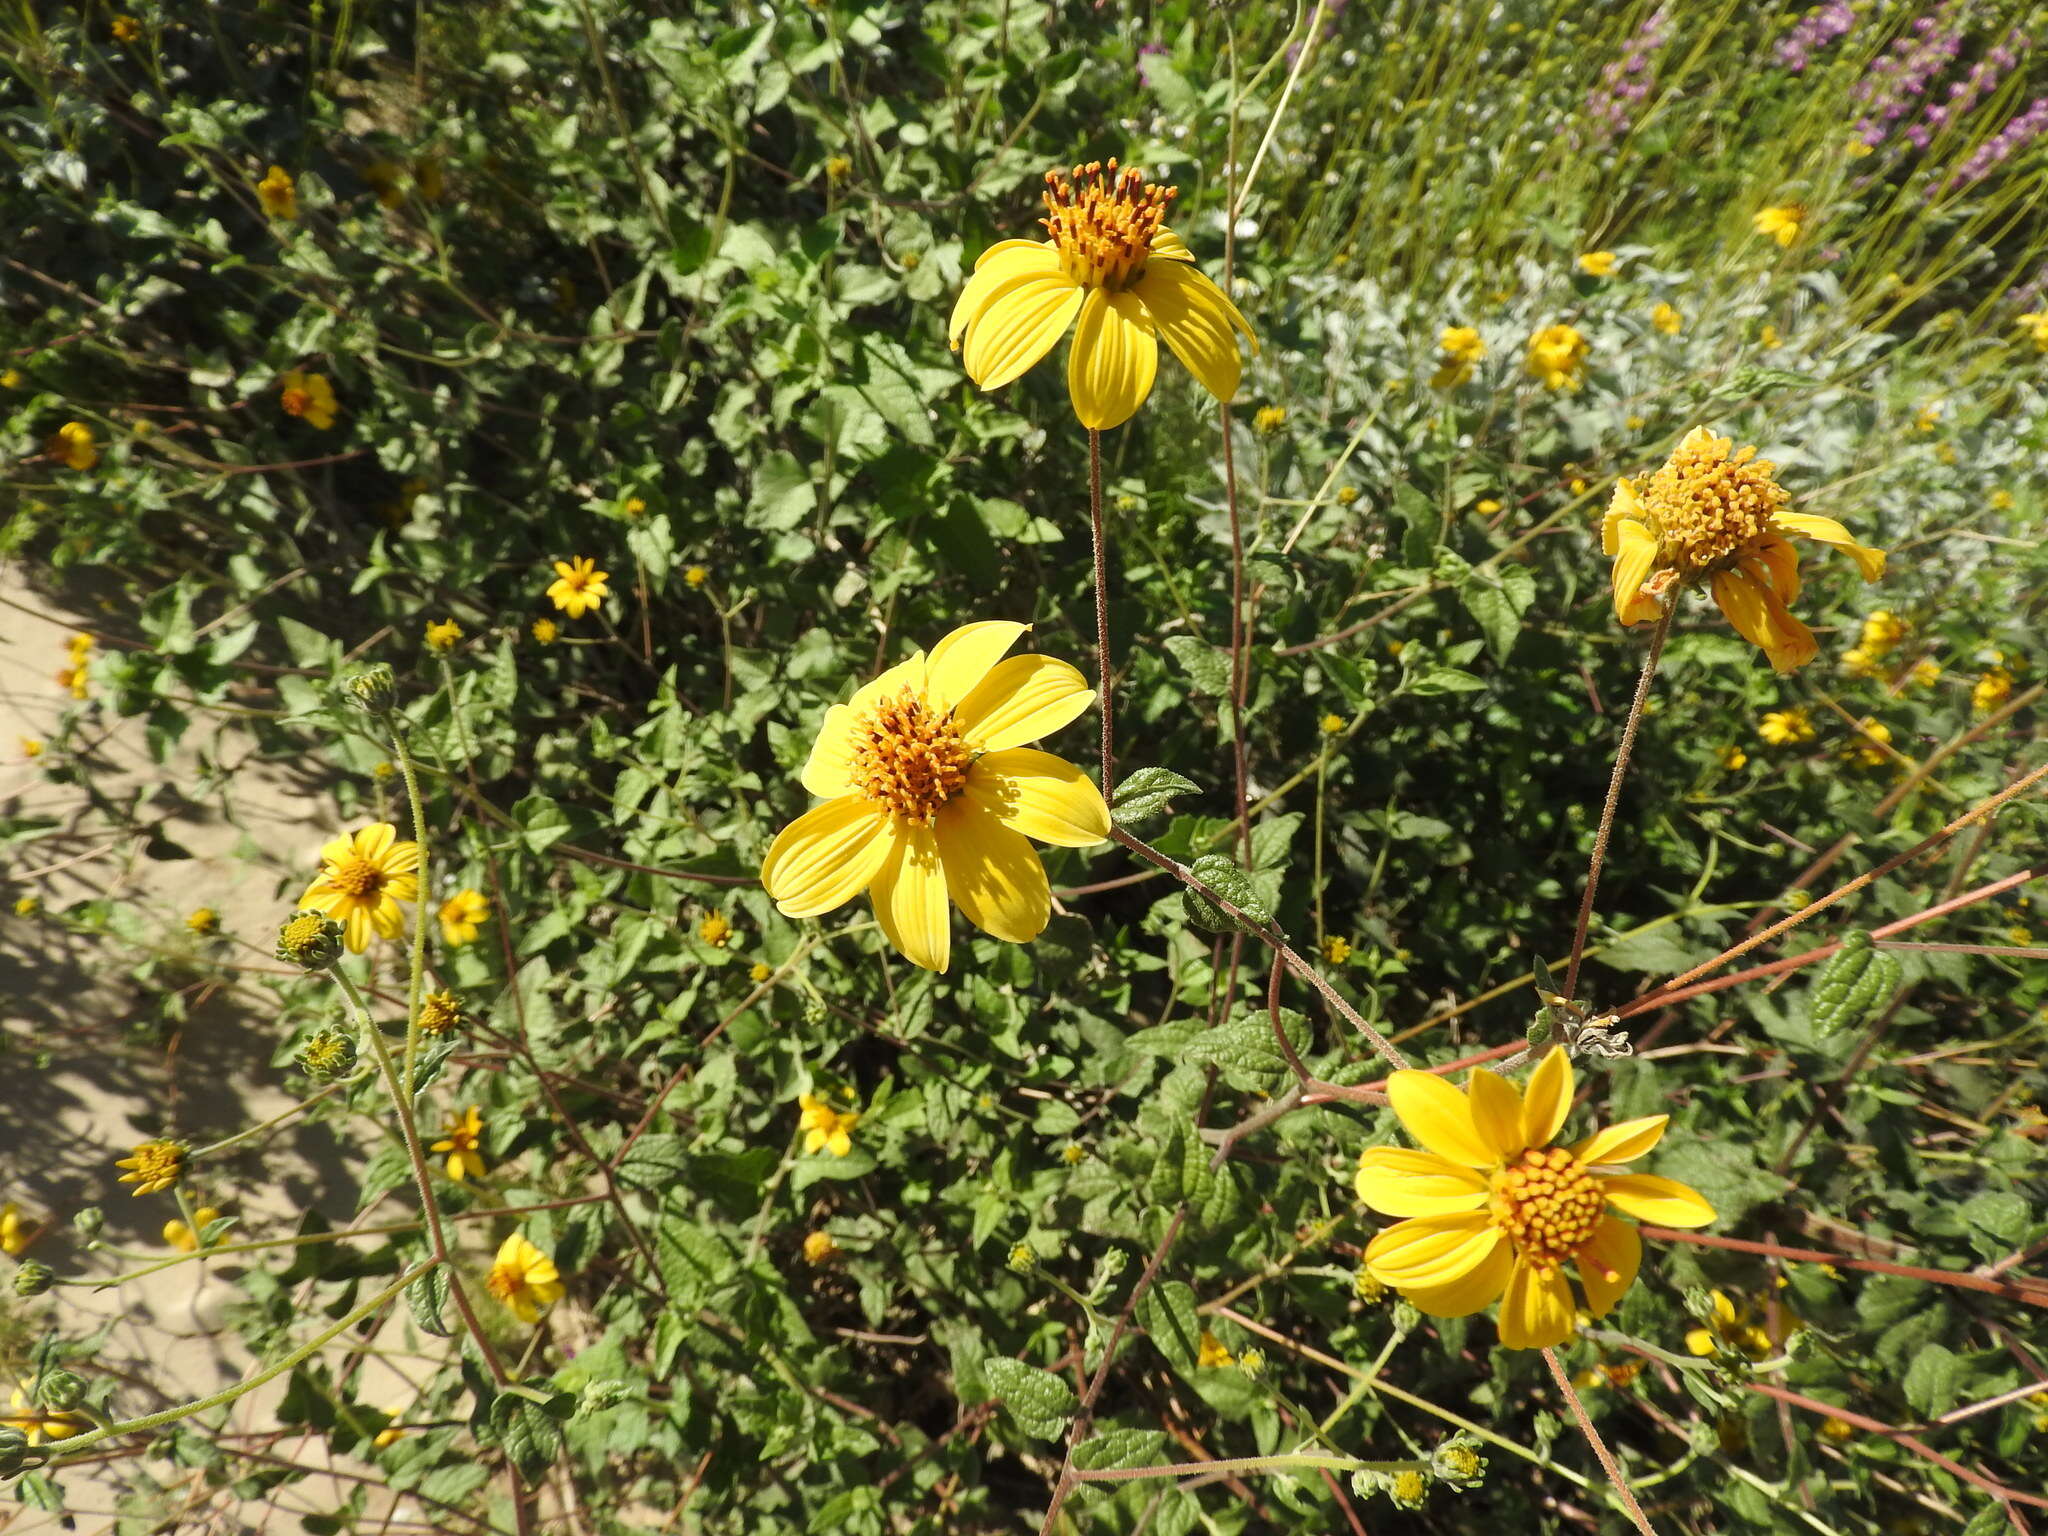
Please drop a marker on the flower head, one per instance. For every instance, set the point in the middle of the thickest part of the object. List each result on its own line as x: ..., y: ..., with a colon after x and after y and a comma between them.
x: 1210, y: 1352
x: 73, y: 446
x: 125, y: 29
x: 1729, y: 1329
x: 697, y: 575
x: 327, y: 1055
x: 546, y: 631
x: 461, y: 916
x: 1718, y: 517
x: 1785, y: 727
x: 440, y: 1012
x: 1267, y: 420
x: 187, y: 1239
x: 310, y: 939
x: 1872, y: 747
x: 523, y: 1278
x: 579, y: 586
x: 15, y: 1233
x: 202, y: 921
x: 1667, y: 319
x: 931, y: 794
x: 280, y: 198
x: 1495, y: 1210
x: 1331, y: 725
x: 1462, y: 351
x: 153, y: 1166
x: 1881, y: 631
x: 1780, y: 223
x: 819, y: 1247
x: 714, y: 930
x: 1557, y: 356
x: 459, y: 1138
x: 1990, y: 690
x: 2036, y: 326
x: 1336, y: 950
x: 1597, y: 263
x: 38, y: 1424
x: 444, y: 635
x: 308, y: 396
x: 363, y: 877
x: 1115, y: 273
x: 825, y: 1128
x: 759, y: 972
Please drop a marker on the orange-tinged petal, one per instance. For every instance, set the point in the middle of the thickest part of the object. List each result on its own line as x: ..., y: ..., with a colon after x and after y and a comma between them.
x: 1433, y: 1250
x: 1666, y: 1202
x: 1622, y: 1143
x: 1022, y: 699
x: 1776, y: 562
x: 992, y: 873
x: 1479, y: 1287
x: 1548, y: 1098
x: 1496, y: 1112
x: 1040, y: 795
x: 1869, y: 562
x: 828, y: 772
x: 1396, y: 1181
x: 1536, y: 1313
x: 1022, y: 319
x: 909, y: 893
x: 1439, y: 1117
x: 827, y: 856
x: 1115, y: 355
x: 1608, y: 1262
x: 1195, y: 318
x: 1761, y: 618
x: 961, y: 660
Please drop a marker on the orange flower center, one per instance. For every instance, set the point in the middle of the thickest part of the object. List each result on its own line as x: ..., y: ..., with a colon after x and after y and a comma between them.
x: 505, y: 1282
x: 1547, y: 1202
x: 296, y: 401
x: 908, y: 758
x: 1710, y: 506
x: 356, y: 876
x: 1103, y: 220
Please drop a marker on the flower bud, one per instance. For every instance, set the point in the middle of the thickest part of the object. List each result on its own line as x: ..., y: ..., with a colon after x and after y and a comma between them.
x: 373, y: 689
x: 88, y: 1222
x: 32, y: 1279
x: 1023, y: 1260
x: 1458, y: 1462
x: 310, y: 940
x: 60, y: 1390
x: 13, y: 1451
x: 329, y: 1054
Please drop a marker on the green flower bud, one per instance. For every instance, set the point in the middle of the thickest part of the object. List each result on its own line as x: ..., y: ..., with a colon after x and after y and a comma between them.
x: 329, y: 1054
x: 88, y: 1222
x: 1409, y: 1489
x: 1252, y: 1362
x: 373, y: 689
x: 1407, y: 1316
x: 597, y: 1396
x: 310, y: 940
x: 60, y: 1390
x: 1458, y: 1462
x: 1023, y: 1260
x: 13, y: 1451
x: 32, y: 1279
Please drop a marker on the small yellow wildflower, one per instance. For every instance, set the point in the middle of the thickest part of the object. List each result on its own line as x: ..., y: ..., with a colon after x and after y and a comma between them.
x: 10, y: 378
x: 15, y: 1233
x: 633, y: 506
x: 1780, y: 223
x: 444, y: 635
x: 1732, y: 757
x: 1667, y: 319
x: 825, y: 1128
x: 1346, y: 495
x: 1336, y: 950
x: 1409, y: 1489
x: 363, y: 877
x: 1332, y: 725
x: 759, y: 972
x: 546, y: 631
x: 308, y: 396
x: 2036, y: 325
x: 1557, y: 356
x: 439, y: 1013
x: 39, y: 1424
x: 186, y: 1239
x: 1929, y: 418
x: 1729, y: 1329
x: 1269, y: 419
x: 1635, y: 423
x: 383, y: 771
x: 1073, y: 1152
x: 696, y: 576
x: 1882, y: 630
x: 1924, y: 673
x: 1869, y: 749
x: 153, y: 1166
x: 1769, y: 339
x: 1211, y: 1353
x: 73, y: 446
x: 203, y: 921
x: 462, y: 914
x: 1462, y: 351
x: 1576, y: 486
x: 1597, y: 263
x: 27, y: 906
x: 1861, y: 661
x: 391, y: 1432
x: 838, y: 168
x: 31, y: 747
x: 1945, y: 453
x: 2001, y: 500
x: 579, y: 586
x: 1837, y: 1429
x: 125, y: 29
x: 1783, y: 727
x: 459, y: 1140
x: 1486, y: 506
x: 278, y: 195
x: 524, y: 1278
x: 715, y: 930
x: 818, y: 1247
x: 1990, y: 690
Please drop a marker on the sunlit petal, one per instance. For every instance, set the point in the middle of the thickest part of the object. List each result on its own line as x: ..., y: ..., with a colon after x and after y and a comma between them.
x: 1869, y: 562
x: 1433, y: 1250
x: 1022, y: 699
x: 1022, y: 319
x: 992, y: 873
x: 1536, y: 1313
x: 1496, y: 1112
x: 1665, y: 1202
x: 909, y: 892
x: 1622, y: 1143
x: 1608, y: 1262
x: 827, y: 772
x: 960, y: 661
x: 1479, y: 1287
x: 1115, y: 355
x: 1439, y: 1116
x: 826, y: 857
x: 1041, y: 796
x: 1196, y: 319
x: 1396, y: 1181
x: 1548, y: 1098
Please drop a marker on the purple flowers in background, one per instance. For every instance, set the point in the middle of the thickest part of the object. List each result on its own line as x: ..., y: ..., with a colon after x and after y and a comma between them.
x: 1897, y: 79
x: 1626, y: 80
x: 1818, y: 28
x: 1965, y: 93
x: 2007, y: 142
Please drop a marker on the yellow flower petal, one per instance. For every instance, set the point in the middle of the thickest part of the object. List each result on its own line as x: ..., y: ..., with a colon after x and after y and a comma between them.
x: 1548, y: 1098
x: 993, y: 873
x: 1112, y: 362
x: 1870, y: 562
x: 1537, y: 1310
x: 826, y: 857
x: 1170, y: 245
x: 1608, y: 1263
x: 1022, y: 699
x: 1439, y: 1117
x: 1002, y: 263
x: 1761, y: 618
x: 1040, y: 795
x: 371, y: 841
x: 1624, y: 506
x: 357, y: 930
x: 1479, y: 1287
x: 961, y: 660
x: 1396, y: 1181
x: 908, y: 674
x: 1699, y: 1342
x: 1647, y: 1197
x: 1622, y: 1143
x: 1635, y: 555
x: 1433, y: 1250
x: 1024, y: 316
x: 909, y: 892
x: 827, y: 771
x: 1194, y: 317
x: 1496, y: 1112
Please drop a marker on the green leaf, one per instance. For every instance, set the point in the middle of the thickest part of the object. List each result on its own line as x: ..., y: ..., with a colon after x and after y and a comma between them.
x: 1497, y: 618
x: 784, y: 494
x: 1931, y: 1380
x: 1226, y: 880
x: 1039, y: 1401
x: 1144, y: 794
x: 1120, y: 1448
x: 1207, y: 667
x: 427, y: 1296
x: 1246, y: 1049
x: 1171, y: 1322
x: 528, y: 1432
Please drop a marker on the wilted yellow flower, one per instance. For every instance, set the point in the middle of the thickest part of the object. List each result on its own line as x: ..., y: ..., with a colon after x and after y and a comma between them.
x: 1597, y: 263
x: 72, y: 445
x: 1557, y: 356
x: 462, y: 914
x: 1869, y: 749
x: 1210, y: 1352
x: 307, y: 396
x: 523, y: 1278
x: 153, y: 1166
x: 280, y: 198
x: 444, y: 635
x: 1495, y: 1211
x: 1990, y: 690
x: 546, y: 631
x: 1462, y: 352
x: 1718, y: 517
x: 203, y: 921
x: 1667, y: 319
x: 15, y: 1233
x: 459, y: 1138
x: 825, y: 1128
x: 186, y: 1239
x: 1780, y: 223
x: 696, y: 576
x: 1336, y: 950
x: 579, y: 586
x: 818, y: 1247
x: 931, y: 794
x: 1783, y: 727
x: 1120, y: 277
x: 363, y: 877
x: 39, y: 1424
x: 2036, y: 325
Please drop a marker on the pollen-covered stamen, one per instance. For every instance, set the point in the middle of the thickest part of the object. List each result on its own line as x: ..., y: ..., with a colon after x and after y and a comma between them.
x: 295, y: 401
x: 1547, y: 1202
x: 908, y: 758
x: 1709, y: 506
x: 357, y: 876
x: 1103, y: 221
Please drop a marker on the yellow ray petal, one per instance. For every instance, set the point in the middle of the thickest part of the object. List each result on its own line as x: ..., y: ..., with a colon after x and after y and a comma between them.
x: 1022, y: 319
x: 1398, y: 1182
x: 1195, y: 318
x: 961, y: 660
x: 826, y: 772
x: 403, y: 887
x: 357, y: 929
x: 1432, y: 1250
x: 1870, y: 562
x: 1622, y: 1143
x: 1536, y: 1313
x: 993, y: 873
x: 1636, y: 558
x: 1496, y: 1112
x: 1113, y: 359
x: 371, y: 841
x: 826, y: 857
x: 1003, y: 246
x: 1001, y: 263
x: 1479, y: 1287
x: 904, y: 675
x: 1761, y: 618
x: 1608, y: 1263
x: 388, y: 918
x: 1439, y: 1117
x: 1548, y: 1098
x: 1040, y: 795
x: 334, y: 850
x: 1776, y: 562
x: 402, y: 860
x: 1170, y: 245
x: 909, y: 893
x: 1665, y: 1202
x: 1021, y: 699
x: 1623, y: 506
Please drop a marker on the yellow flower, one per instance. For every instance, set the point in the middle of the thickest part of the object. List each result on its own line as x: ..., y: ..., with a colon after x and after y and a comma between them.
x: 1729, y: 1331
x: 1769, y: 339
x: 1870, y: 748
x: 72, y: 446
x: 1331, y: 725
x: 714, y: 929
x: 125, y: 29
x: 307, y: 396
x: 1597, y: 263
x: 696, y: 576
x: 1780, y: 223
x: 759, y: 972
x: 15, y: 1234
x: 461, y: 915
x: 1336, y: 950
x: 440, y: 1012
x: 1557, y: 356
x: 10, y: 378
x: 2036, y: 325
x: 1732, y: 757
x: 1269, y: 419
x: 818, y: 1247
x: 1494, y: 1210
x: 930, y: 793
x: 546, y: 631
x: 279, y: 197
x: 203, y: 921
x: 1718, y: 517
x: 579, y: 586
x: 1783, y: 727
x: 444, y: 635
x: 838, y: 168
x: 153, y: 1166
x: 1211, y: 1353
x: 31, y: 747
x: 1929, y: 418
x: 1837, y: 1429
x: 186, y: 1239
x: 391, y: 1432
x: 523, y: 1278
x: 1346, y: 495
x: 825, y: 1128
x: 1667, y: 319
x: 2001, y: 500
x: 1486, y: 506
x: 1462, y: 351
x: 384, y: 770
x: 1577, y: 486
x: 27, y: 906
x: 1861, y: 662
x: 459, y: 1140
x: 363, y: 877
x: 383, y: 177
x: 1882, y: 630
x: 1120, y: 277
x: 1635, y: 423
x: 1990, y: 690
x: 39, y: 1424
x: 1072, y: 1153
x: 1925, y: 673
x: 427, y: 178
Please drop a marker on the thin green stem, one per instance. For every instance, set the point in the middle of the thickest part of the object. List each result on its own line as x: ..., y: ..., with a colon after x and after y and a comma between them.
x: 1103, y: 661
x: 416, y: 980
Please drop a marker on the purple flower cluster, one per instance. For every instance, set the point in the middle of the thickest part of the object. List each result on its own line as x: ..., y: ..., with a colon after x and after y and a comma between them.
x: 1899, y: 78
x: 1626, y: 79
x: 1819, y: 27
x: 1965, y: 93
x: 2007, y: 142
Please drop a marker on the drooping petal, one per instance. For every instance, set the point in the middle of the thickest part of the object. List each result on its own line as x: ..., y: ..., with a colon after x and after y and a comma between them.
x: 909, y: 893
x: 1432, y: 1250
x: 1622, y: 1143
x: 1634, y: 560
x: 1396, y: 1181
x: 1112, y: 362
x: 1197, y: 320
x: 1018, y: 325
x: 961, y: 660
x: 1001, y: 263
x: 827, y: 773
x: 1870, y: 562
x: 1761, y: 618
x: 1496, y: 1112
x: 1536, y: 1313
x: 1022, y: 699
x: 1479, y: 1287
x: 1439, y: 1117
x: 1039, y: 795
x: 1608, y: 1262
x: 1547, y: 1099
x: 357, y: 929
x: 827, y: 856
x: 993, y: 873
x: 1775, y: 562
x: 1623, y: 506
x: 1665, y: 1202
